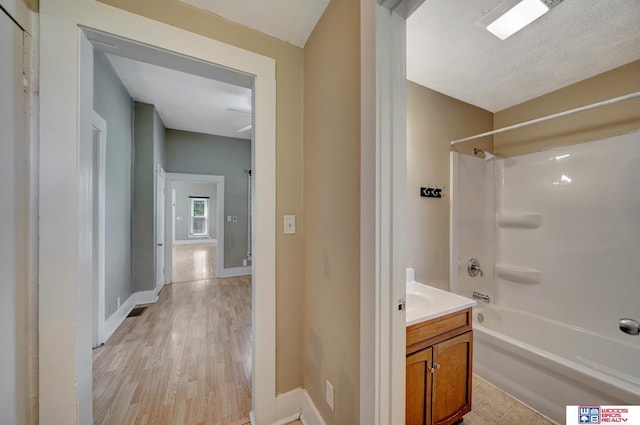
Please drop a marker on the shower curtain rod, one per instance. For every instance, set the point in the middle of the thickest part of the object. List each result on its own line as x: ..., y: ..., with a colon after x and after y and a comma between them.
x: 551, y: 117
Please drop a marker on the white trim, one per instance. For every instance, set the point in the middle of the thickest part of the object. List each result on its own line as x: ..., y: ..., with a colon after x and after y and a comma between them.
x: 146, y: 297
x: 234, y: 271
x: 296, y: 405
x: 207, y: 201
x: 195, y: 241
x: 169, y: 231
x: 454, y: 217
x: 263, y: 282
x: 100, y: 125
x: 117, y: 317
x: 160, y: 176
x: 64, y: 312
x: 310, y: 414
x: 18, y: 10
x: 390, y: 342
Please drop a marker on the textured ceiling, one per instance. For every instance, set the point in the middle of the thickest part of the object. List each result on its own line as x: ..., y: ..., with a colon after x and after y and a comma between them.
x: 449, y: 52
x: 185, y: 101
x: 289, y: 20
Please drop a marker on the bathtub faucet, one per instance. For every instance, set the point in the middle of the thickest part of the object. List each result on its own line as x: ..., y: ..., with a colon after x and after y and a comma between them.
x: 479, y: 296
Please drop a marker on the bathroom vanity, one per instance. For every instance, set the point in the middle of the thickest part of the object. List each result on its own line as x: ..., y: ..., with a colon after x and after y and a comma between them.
x: 439, y: 356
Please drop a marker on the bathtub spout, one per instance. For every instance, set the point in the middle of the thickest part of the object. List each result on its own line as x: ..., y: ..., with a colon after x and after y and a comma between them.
x: 483, y: 297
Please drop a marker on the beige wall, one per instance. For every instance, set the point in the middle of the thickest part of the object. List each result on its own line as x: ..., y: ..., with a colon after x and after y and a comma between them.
x: 33, y: 5
x: 433, y: 120
x: 583, y: 127
x: 288, y: 156
x: 332, y: 211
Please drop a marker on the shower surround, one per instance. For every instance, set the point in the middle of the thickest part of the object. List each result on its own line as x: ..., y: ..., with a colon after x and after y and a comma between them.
x: 558, y: 236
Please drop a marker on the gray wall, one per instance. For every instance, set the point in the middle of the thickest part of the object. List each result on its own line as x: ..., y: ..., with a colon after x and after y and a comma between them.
x: 149, y: 152
x: 197, y: 153
x: 183, y: 192
x: 112, y: 102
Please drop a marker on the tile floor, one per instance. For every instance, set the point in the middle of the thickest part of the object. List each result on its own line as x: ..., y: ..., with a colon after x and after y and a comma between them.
x: 491, y: 406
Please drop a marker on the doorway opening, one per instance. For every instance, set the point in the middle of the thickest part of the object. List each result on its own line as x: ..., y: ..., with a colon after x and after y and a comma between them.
x: 197, y: 226
x: 192, y: 349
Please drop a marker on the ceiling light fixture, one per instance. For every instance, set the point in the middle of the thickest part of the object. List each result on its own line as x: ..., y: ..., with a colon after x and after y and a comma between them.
x: 518, y: 17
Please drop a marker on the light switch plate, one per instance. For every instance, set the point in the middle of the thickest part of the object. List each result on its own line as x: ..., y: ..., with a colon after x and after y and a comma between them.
x: 289, y: 224
x: 330, y: 394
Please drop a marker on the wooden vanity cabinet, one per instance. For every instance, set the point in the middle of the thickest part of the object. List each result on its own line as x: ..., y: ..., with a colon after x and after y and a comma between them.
x: 439, y: 370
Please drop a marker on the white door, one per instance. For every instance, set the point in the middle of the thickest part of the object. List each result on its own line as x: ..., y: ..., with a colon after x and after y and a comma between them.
x: 160, y: 242
x: 13, y: 217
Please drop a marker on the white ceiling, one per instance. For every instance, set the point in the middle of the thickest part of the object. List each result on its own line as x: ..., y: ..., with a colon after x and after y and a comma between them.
x: 289, y: 20
x: 449, y: 52
x: 185, y: 101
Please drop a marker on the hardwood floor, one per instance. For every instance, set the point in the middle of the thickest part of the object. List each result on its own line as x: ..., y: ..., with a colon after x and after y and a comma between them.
x: 186, y: 360
x: 194, y: 262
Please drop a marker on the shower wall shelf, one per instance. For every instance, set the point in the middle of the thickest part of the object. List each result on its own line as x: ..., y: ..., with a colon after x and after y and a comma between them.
x: 524, y: 221
x: 518, y: 274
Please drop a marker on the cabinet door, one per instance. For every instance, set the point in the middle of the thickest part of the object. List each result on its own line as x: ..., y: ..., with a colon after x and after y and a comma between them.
x: 418, y: 394
x: 452, y: 379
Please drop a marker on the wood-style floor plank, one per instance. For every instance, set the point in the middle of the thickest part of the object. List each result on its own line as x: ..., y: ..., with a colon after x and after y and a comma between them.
x: 185, y: 360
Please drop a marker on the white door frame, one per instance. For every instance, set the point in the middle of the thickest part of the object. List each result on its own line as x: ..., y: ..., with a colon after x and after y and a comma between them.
x: 201, y: 178
x: 100, y: 126
x: 160, y: 208
x: 66, y: 96
x: 383, y: 193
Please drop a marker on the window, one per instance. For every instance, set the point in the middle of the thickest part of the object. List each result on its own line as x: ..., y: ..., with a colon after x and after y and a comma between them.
x: 199, y: 216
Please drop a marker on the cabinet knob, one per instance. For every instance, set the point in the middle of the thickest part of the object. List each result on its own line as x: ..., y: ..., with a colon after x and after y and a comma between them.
x: 437, y: 365
x: 432, y: 370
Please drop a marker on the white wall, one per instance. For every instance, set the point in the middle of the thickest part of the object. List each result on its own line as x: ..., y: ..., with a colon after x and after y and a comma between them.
x: 183, y: 191
x: 586, y: 246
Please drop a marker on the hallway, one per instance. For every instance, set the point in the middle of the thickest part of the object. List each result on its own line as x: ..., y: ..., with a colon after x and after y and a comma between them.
x: 184, y: 360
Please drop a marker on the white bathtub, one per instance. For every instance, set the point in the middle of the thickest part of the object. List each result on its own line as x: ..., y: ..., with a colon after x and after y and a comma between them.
x: 547, y: 364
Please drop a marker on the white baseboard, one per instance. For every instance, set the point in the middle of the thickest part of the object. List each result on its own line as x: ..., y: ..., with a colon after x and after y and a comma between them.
x: 146, y: 297
x: 310, y: 414
x: 194, y: 241
x: 295, y: 405
x: 118, y: 316
x: 235, y: 271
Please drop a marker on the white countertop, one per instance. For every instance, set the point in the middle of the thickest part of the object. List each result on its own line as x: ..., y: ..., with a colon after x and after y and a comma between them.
x: 425, y: 303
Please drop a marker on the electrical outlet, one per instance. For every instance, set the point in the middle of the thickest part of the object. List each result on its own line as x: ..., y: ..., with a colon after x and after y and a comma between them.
x: 117, y: 303
x: 330, y: 394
